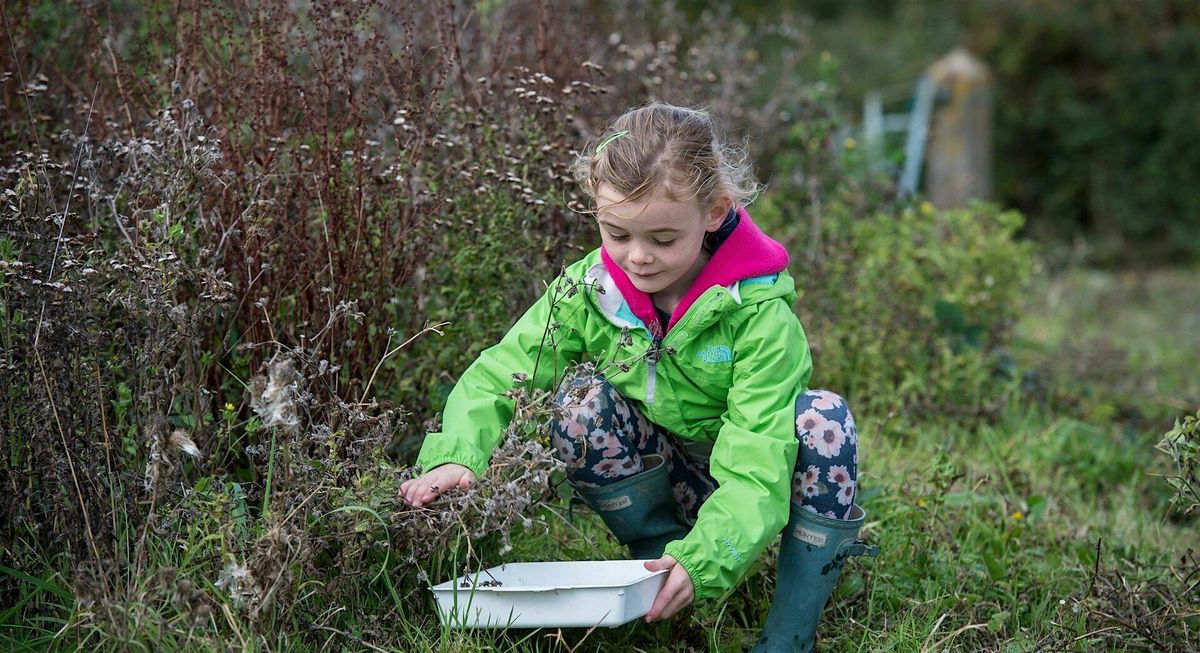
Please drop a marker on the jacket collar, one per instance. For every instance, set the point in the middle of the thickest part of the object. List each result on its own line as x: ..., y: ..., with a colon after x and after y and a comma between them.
x: 746, y: 253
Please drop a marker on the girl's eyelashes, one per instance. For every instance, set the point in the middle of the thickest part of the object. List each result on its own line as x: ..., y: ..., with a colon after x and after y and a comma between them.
x: 620, y: 239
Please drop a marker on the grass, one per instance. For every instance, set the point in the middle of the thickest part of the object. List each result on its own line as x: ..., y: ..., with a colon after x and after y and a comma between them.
x: 989, y: 542
x: 989, y: 536
x: 1127, y: 340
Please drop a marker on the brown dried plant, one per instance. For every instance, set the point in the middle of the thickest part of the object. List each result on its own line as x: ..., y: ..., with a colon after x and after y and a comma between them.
x: 217, y: 222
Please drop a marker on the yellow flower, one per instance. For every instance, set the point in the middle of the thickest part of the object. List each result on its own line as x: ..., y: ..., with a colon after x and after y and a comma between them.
x: 921, y: 502
x: 1018, y: 516
x: 926, y: 208
x: 850, y: 143
x: 228, y: 406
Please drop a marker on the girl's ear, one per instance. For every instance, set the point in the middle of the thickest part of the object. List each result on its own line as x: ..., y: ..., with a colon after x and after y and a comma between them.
x: 716, y: 214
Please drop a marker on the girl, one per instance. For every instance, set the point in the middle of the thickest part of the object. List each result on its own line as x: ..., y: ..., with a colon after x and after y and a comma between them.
x: 698, y: 441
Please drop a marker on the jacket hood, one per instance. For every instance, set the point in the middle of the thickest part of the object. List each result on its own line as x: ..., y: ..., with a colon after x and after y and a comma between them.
x: 745, y: 254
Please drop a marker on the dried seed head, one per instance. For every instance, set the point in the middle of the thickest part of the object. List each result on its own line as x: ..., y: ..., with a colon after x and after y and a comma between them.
x: 273, y: 396
x: 181, y: 441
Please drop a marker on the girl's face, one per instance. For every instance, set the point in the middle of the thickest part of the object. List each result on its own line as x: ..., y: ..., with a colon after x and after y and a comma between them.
x: 656, y: 241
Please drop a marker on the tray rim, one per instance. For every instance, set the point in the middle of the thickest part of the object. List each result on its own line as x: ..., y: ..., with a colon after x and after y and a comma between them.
x: 452, y: 584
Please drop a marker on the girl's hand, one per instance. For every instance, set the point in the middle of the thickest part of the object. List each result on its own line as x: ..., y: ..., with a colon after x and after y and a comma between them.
x: 432, y: 484
x: 675, y: 594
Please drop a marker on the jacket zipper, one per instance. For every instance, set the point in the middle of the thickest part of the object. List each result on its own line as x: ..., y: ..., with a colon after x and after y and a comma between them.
x: 654, y: 354
x: 652, y: 357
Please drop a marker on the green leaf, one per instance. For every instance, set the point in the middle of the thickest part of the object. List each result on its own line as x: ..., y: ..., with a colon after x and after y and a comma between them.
x: 995, y: 569
x: 39, y: 583
x: 996, y: 622
x: 1037, y: 505
x: 239, y: 512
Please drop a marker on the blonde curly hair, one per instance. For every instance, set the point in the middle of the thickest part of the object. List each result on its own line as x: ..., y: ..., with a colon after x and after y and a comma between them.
x: 662, y: 147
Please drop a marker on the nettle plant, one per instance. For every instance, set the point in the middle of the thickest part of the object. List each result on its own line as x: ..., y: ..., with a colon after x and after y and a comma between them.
x: 1182, y: 445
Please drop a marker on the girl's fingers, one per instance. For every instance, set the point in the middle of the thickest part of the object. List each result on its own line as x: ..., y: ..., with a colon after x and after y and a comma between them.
x: 668, y: 591
x: 668, y: 609
x: 665, y: 595
x: 675, y: 595
x: 665, y: 562
x: 412, y: 493
x: 419, y: 496
x: 678, y: 601
x: 422, y: 490
x: 669, y: 596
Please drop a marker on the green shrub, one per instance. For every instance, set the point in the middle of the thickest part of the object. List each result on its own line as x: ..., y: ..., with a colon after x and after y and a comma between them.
x: 908, y: 310
x: 1096, y: 114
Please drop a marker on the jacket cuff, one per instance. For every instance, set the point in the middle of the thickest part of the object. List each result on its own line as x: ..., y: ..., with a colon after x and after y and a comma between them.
x: 693, y: 571
x: 433, y: 455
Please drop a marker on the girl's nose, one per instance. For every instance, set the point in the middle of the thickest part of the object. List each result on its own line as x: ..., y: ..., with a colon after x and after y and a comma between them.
x: 640, y: 255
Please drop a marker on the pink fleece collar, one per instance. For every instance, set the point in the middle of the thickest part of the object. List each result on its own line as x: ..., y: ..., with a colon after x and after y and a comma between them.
x: 746, y: 253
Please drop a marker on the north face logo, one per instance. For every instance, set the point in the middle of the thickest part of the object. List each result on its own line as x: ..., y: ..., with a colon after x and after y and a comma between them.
x: 715, y: 354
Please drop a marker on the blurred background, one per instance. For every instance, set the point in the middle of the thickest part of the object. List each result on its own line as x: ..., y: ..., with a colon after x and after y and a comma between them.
x: 246, y: 249
x: 1094, y: 133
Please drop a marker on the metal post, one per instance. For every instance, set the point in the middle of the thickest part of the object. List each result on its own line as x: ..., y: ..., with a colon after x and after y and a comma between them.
x: 918, y: 128
x: 873, y: 130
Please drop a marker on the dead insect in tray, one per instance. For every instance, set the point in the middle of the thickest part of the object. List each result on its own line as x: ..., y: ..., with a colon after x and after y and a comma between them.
x: 486, y: 583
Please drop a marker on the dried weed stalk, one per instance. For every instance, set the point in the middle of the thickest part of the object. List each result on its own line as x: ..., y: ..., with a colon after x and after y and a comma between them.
x: 1130, y: 605
x: 207, y: 246
x: 517, y: 482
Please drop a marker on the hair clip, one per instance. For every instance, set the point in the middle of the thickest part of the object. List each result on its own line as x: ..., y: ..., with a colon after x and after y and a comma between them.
x: 603, y: 144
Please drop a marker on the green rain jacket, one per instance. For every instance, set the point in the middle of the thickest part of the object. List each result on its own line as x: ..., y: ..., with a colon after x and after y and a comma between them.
x: 725, y: 371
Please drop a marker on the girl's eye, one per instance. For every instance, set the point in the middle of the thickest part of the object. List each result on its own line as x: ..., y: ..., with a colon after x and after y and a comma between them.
x: 624, y: 237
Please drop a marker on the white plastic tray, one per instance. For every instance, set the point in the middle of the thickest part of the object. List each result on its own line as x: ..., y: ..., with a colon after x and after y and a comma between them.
x: 550, y: 594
